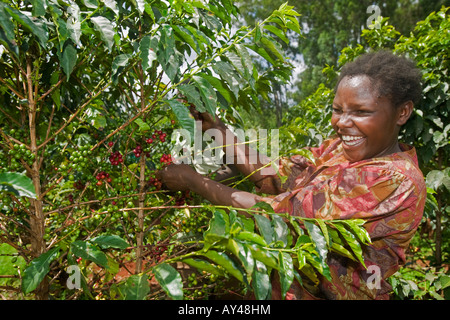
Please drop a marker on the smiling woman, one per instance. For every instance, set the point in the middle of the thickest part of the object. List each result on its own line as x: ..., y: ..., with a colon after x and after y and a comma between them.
x: 375, y: 96
x: 362, y: 172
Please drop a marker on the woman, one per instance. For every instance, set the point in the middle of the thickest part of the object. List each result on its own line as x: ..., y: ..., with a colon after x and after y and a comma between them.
x: 360, y: 172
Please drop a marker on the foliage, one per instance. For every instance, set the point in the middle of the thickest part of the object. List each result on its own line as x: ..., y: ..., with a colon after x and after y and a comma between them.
x: 90, y: 93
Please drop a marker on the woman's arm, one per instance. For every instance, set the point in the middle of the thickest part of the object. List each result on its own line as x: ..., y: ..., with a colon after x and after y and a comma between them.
x: 238, y: 153
x: 182, y: 177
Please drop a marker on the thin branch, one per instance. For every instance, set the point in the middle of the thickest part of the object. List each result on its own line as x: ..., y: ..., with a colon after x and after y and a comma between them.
x: 17, y: 93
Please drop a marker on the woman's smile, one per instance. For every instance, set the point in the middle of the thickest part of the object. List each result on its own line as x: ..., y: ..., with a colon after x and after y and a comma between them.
x: 352, y: 140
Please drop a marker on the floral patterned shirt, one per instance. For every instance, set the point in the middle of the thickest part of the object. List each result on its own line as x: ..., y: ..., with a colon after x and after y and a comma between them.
x: 388, y: 192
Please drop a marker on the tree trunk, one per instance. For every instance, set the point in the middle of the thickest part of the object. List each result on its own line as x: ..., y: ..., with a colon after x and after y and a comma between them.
x: 37, y: 215
x: 438, y: 236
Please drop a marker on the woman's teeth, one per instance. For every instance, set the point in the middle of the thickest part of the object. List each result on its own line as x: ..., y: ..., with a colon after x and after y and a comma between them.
x: 351, y: 140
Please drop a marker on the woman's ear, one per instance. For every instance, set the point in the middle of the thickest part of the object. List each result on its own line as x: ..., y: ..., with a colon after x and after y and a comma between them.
x: 404, y: 112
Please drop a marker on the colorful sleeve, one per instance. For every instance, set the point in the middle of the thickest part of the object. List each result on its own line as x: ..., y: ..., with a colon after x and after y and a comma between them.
x: 292, y: 168
x: 289, y: 169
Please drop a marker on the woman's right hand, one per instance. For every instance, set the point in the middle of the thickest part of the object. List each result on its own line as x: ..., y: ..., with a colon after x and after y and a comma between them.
x: 208, y: 120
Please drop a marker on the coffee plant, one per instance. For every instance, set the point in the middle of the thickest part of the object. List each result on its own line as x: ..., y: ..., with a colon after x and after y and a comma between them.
x: 90, y: 94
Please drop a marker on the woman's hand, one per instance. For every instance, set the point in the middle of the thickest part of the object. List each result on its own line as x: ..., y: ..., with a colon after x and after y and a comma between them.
x: 208, y: 121
x: 177, y: 177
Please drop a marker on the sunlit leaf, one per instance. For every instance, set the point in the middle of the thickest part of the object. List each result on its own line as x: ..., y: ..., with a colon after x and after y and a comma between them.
x: 106, y: 30
x: 170, y: 280
x: 17, y: 183
x: 37, y: 270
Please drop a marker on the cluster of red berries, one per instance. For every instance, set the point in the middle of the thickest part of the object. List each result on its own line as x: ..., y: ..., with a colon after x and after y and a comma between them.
x: 71, y: 198
x: 115, y: 158
x: 78, y: 185
x: 137, y: 151
x: 162, y: 136
x: 157, y: 251
x: 102, y: 176
x: 166, y: 158
x: 154, y: 182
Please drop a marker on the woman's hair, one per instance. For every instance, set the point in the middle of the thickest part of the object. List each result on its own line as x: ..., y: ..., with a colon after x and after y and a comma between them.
x: 393, y: 76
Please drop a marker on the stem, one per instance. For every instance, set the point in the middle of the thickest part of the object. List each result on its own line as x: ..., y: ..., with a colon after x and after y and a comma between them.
x: 438, y: 252
x: 140, y: 233
x: 37, y: 217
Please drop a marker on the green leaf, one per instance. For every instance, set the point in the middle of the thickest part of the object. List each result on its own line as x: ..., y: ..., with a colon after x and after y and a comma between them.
x: 272, y: 48
x: 184, y: 117
x: 204, y: 265
x: 6, y: 23
x: 69, y: 59
x: 318, y: 238
x: 17, y: 183
x: 186, y: 36
x: 314, y: 260
x: 110, y: 241
x: 226, y: 262
x: 147, y: 49
x: 207, y: 94
x: 106, y: 30
x: 268, y: 257
x: 279, y: 33
x: 263, y: 205
x: 244, y: 254
x: 37, y: 27
x: 251, y: 237
x: 136, y: 287
x: 143, y: 126
x: 112, y: 5
x: 356, y: 227
x: 219, y: 227
x: 37, y: 270
x: 92, y: 4
x: 324, y: 229
x: 90, y: 252
x: 119, y: 63
x: 170, y: 280
x: 261, y: 283
x: 193, y: 96
x: 227, y: 72
x: 286, y: 272
x: 280, y: 229
x: 73, y: 25
x: 221, y: 87
x: 438, y: 178
x: 352, y: 242
x: 8, y: 44
x: 341, y: 250
x: 265, y: 227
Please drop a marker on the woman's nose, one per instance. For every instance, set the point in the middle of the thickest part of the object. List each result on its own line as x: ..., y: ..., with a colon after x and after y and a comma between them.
x: 344, y: 121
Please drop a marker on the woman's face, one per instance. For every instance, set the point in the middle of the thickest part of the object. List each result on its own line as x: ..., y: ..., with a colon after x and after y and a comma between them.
x: 367, y: 124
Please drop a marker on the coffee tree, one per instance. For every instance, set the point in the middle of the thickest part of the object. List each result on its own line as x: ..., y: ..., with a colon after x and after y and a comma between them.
x: 91, y: 92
